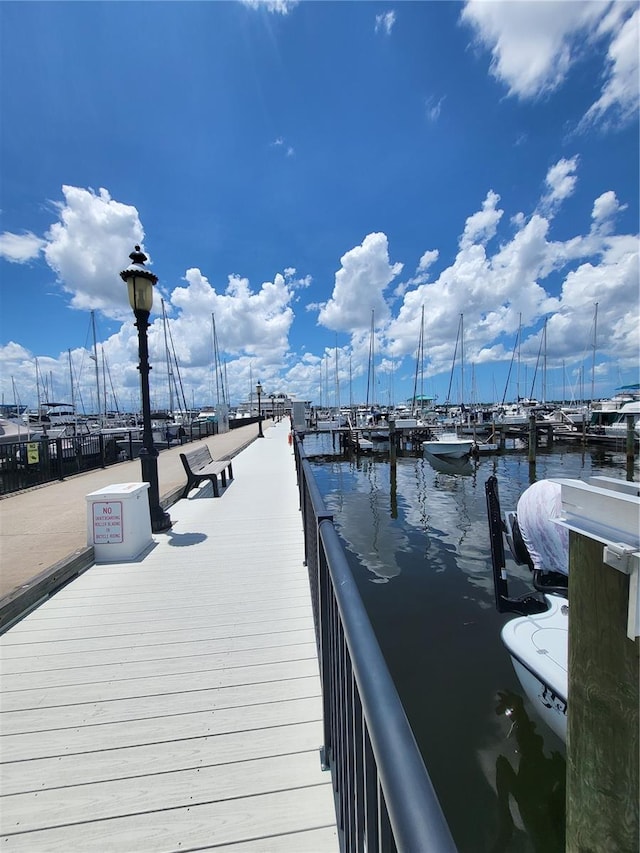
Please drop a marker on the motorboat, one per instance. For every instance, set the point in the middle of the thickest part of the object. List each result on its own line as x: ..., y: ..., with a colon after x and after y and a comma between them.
x: 450, y: 445
x: 537, y: 639
x: 619, y: 427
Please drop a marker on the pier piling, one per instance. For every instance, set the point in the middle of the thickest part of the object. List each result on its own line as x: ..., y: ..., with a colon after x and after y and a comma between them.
x: 533, y: 440
x: 602, y: 808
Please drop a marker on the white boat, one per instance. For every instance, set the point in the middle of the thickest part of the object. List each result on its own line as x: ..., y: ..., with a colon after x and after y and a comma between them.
x: 538, y: 638
x: 450, y: 445
x: 618, y: 429
x: 538, y: 646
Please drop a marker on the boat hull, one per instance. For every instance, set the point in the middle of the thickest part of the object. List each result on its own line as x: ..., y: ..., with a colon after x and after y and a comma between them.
x: 453, y: 448
x: 538, y: 646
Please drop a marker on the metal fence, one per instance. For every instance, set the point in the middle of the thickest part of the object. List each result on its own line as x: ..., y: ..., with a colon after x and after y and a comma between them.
x: 385, y: 800
x: 25, y: 464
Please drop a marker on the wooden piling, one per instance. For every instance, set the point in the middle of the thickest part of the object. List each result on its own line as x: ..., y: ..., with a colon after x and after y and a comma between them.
x: 603, y: 719
x: 631, y: 438
x: 532, y: 440
x: 393, y: 438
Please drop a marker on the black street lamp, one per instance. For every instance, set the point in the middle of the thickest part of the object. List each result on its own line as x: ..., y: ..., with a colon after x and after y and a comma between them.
x: 259, y: 392
x: 140, y: 283
x: 273, y: 407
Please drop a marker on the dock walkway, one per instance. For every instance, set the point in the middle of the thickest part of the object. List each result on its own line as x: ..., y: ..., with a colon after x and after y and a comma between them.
x: 173, y: 703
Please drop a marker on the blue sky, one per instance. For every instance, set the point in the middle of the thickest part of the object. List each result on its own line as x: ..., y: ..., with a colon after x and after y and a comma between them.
x: 293, y: 169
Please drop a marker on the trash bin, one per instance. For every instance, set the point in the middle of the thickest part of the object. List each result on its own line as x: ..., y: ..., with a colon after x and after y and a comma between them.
x: 118, y: 522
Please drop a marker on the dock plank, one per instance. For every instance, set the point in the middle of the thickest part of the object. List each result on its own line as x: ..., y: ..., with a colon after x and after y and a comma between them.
x: 173, y: 702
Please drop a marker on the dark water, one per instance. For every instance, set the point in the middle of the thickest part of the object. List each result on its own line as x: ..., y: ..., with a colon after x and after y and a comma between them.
x: 417, y: 541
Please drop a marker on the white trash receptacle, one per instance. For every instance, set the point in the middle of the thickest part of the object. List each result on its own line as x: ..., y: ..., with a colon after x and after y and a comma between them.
x: 118, y: 522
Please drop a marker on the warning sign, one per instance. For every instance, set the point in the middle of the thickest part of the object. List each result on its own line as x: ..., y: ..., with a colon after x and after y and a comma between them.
x: 107, y: 523
x: 33, y: 453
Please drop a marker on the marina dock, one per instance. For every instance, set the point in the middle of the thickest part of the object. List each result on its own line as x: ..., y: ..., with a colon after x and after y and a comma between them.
x: 174, y: 702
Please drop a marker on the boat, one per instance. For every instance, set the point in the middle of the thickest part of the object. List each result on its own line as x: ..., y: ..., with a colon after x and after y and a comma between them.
x: 537, y: 639
x: 450, y: 445
x: 619, y: 427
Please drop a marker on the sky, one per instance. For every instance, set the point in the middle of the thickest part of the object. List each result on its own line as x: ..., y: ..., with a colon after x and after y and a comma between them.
x: 465, y: 174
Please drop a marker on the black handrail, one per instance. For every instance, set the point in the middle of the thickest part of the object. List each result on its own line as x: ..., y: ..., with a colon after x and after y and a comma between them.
x: 385, y: 800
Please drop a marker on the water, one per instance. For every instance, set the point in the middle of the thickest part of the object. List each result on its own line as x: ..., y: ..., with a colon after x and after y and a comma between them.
x: 418, y: 543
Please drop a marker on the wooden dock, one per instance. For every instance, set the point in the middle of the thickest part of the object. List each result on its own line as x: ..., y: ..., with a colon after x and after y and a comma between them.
x: 173, y: 703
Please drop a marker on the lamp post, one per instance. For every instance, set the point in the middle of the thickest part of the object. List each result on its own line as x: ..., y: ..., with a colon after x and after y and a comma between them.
x: 273, y: 407
x: 140, y: 283
x: 259, y: 392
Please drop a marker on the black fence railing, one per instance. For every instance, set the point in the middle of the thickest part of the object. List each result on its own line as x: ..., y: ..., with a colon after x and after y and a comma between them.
x: 385, y: 800
x: 24, y: 464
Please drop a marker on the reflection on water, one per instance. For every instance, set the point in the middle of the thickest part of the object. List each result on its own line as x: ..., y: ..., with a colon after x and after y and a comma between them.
x: 530, y: 785
x: 421, y: 536
x: 464, y: 467
x: 363, y: 519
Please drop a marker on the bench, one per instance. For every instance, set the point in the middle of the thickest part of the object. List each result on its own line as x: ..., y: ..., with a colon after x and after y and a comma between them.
x: 200, y: 465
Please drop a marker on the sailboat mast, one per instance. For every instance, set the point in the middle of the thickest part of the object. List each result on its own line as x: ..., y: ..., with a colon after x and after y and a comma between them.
x: 518, y: 374
x: 371, y: 369
x: 593, y: 360
x: 544, y: 364
x: 167, y: 357
x: 337, y: 380
x: 422, y: 361
x: 462, y: 359
x: 38, y: 388
x: 95, y: 359
x: 104, y: 381
x: 213, y: 360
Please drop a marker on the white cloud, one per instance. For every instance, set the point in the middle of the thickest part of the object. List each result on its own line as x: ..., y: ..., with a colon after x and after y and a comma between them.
x: 620, y: 93
x: 359, y: 286
x: 481, y: 226
x: 90, y: 245
x: 428, y: 259
x: 533, y: 46
x: 385, y: 22
x: 20, y: 248
x: 605, y: 209
x: 434, y: 108
x: 280, y: 143
x: 495, y: 290
x: 279, y: 7
x: 492, y: 283
x: 561, y: 182
x: 248, y: 322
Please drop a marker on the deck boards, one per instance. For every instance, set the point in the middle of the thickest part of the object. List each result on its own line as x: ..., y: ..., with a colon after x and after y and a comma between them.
x: 173, y: 703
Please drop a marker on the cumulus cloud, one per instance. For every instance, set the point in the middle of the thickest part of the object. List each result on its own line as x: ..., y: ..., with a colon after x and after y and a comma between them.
x: 20, y: 248
x: 504, y: 272
x: 495, y: 291
x: 533, y: 46
x: 385, y: 22
x: 248, y: 322
x: 89, y: 245
x: 481, y: 226
x: 359, y: 286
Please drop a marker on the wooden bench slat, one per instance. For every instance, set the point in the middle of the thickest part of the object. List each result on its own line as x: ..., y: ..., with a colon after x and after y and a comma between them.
x: 200, y: 465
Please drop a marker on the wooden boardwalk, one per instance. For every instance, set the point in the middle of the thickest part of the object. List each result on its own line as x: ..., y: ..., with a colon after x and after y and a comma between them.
x: 173, y: 703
